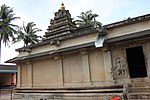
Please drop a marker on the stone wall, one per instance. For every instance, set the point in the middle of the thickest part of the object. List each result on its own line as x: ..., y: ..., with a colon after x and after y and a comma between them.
x: 120, y: 65
x: 79, y: 68
x: 46, y: 72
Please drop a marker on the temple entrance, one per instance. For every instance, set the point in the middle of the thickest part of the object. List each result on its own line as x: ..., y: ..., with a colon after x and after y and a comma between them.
x: 136, y: 62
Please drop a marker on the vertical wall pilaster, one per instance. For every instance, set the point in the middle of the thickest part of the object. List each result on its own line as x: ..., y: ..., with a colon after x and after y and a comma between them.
x: 86, y: 66
x: 30, y: 74
x: 107, y: 65
x: 146, y: 49
x: 60, y: 75
x: 61, y: 79
x: 18, y: 75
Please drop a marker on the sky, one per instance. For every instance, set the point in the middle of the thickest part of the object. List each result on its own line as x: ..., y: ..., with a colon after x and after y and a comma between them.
x: 41, y: 11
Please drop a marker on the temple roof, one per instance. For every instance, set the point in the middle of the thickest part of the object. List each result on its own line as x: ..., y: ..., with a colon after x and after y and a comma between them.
x: 137, y: 35
x: 63, y: 27
x: 61, y: 24
x: 81, y: 30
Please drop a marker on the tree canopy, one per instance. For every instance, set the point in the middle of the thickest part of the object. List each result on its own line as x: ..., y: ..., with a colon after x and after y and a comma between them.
x: 7, y: 29
x: 86, y: 18
x: 27, y: 33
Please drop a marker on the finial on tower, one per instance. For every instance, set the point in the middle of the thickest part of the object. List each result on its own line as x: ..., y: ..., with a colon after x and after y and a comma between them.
x: 62, y: 6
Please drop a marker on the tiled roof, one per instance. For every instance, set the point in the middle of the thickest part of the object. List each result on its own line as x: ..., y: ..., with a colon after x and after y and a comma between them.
x: 7, y: 67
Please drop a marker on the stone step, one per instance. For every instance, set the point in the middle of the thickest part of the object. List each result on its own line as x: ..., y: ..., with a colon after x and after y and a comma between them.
x: 139, y: 96
x: 139, y: 89
x: 72, y: 91
x: 142, y: 84
x: 68, y: 96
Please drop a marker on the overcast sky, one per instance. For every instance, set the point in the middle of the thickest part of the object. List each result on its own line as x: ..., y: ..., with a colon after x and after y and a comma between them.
x: 41, y: 11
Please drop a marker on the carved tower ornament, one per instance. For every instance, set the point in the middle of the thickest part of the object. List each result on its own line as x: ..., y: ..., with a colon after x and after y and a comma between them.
x: 119, y: 67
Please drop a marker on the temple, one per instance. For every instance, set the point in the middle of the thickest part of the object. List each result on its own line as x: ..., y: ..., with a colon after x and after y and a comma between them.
x: 86, y: 63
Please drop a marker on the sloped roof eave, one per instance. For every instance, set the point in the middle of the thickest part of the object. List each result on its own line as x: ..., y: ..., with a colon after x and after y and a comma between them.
x: 46, y: 53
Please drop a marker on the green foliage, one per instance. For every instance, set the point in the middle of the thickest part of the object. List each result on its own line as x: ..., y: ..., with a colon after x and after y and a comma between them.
x: 7, y: 29
x: 27, y: 34
x: 86, y: 18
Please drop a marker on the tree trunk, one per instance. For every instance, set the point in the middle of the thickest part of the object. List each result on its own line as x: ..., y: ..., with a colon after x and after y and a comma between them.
x: 0, y: 50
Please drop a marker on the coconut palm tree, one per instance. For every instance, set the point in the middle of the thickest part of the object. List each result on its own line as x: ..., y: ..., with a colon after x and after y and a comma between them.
x: 86, y: 18
x: 27, y: 34
x: 7, y: 29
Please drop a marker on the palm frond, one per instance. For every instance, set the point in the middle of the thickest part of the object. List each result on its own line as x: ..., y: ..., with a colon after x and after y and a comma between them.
x: 27, y: 33
x: 7, y: 29
x: 87, y: 18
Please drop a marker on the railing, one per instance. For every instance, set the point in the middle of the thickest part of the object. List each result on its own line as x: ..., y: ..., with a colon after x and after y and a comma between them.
x: 6, y: 94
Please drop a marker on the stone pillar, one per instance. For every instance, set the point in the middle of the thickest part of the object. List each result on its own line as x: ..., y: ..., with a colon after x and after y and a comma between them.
x: 107, y: 65
x: 18, y: 75
x: 86, y: 66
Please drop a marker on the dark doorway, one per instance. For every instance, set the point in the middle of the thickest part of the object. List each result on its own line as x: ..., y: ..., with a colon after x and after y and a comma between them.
x: 136, y: 62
